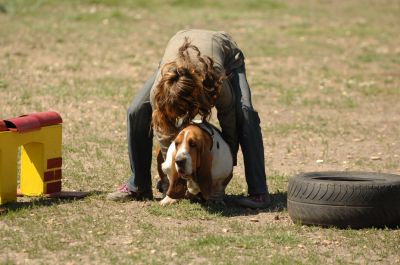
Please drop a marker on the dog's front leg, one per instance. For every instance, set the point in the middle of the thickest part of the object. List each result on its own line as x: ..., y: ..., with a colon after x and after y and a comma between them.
x: 193, y: 187
x: 176, y: 190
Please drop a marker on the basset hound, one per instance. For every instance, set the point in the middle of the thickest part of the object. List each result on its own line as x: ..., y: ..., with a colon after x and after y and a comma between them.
x: 198, y: 161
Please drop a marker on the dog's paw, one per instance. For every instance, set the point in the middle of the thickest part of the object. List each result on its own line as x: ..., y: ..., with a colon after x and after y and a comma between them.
x: 167, y: 200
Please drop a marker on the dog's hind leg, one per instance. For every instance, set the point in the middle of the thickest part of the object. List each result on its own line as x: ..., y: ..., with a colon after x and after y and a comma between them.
x: 218, y: 193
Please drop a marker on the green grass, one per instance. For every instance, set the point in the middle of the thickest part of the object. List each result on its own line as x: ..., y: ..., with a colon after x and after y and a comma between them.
x: 324, y: 79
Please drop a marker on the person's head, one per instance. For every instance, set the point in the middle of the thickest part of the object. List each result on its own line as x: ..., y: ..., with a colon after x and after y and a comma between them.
x: 188, y: 87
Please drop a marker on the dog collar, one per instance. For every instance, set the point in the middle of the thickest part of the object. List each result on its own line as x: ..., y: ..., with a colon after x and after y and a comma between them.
x: 208, y: 128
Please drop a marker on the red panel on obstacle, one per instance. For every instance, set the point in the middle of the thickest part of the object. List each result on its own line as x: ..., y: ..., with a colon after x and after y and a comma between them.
x: 53, y: 187
x: 54, y: 163
x: 57, y: 174
x: 48, y: 176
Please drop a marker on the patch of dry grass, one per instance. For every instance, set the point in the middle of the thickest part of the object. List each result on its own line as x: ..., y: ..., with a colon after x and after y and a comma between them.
x: 325, y: 80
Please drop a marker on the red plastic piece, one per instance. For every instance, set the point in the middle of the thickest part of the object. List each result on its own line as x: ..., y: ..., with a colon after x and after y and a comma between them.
x: 54, y: 163
x: 23, y: 124
x: 3, y: 126
x: 47, y: 118
x: 31, y: 122
x: 53, y: 187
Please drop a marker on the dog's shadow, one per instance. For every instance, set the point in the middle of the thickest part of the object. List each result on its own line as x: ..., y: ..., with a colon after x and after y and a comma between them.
x: 230, y: 209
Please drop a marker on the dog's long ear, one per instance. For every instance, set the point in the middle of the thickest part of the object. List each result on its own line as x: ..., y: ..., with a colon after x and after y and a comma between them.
x: 160, y: 161
x: 203, y: 174
x: 177, y: 185
x: 162, y: 184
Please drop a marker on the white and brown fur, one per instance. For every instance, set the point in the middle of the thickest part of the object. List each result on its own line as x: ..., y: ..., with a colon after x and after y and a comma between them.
x: 198, y: 161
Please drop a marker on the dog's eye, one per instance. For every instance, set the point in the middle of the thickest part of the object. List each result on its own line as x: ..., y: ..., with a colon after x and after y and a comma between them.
x: 192, y: 143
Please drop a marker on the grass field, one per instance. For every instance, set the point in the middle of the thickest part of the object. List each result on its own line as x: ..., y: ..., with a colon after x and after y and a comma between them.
x: 325, y: 77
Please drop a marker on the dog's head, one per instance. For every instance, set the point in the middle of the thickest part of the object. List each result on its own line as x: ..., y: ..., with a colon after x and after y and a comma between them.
x: 192, y: 146
x: 190, y: 159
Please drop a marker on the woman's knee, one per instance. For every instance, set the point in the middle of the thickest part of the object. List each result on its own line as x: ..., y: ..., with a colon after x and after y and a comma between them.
x: 248, y: 118
x: 139, y: 119
x: 250, y: 115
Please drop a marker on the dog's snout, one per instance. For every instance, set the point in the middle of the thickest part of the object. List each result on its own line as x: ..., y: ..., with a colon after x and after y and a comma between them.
x: 180, y: 162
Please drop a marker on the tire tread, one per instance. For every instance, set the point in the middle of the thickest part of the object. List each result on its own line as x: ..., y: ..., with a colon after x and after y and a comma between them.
x: 344, y: 203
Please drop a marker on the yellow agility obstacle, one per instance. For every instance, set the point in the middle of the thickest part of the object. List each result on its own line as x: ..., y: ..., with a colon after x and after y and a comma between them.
x: 40, y: 137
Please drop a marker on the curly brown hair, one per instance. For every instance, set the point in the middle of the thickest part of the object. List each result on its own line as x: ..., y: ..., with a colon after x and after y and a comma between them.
x: 188, y: 87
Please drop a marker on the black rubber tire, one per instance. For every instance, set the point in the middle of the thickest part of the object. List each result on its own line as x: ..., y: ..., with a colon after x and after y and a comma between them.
x: 345, y: 199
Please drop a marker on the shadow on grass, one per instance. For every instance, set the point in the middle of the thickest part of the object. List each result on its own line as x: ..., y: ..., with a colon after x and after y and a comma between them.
x: 32, y: 202
x: 278, y: 204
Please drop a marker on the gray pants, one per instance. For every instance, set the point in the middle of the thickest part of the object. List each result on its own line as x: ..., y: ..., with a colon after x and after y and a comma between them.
x: 247, y: 134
